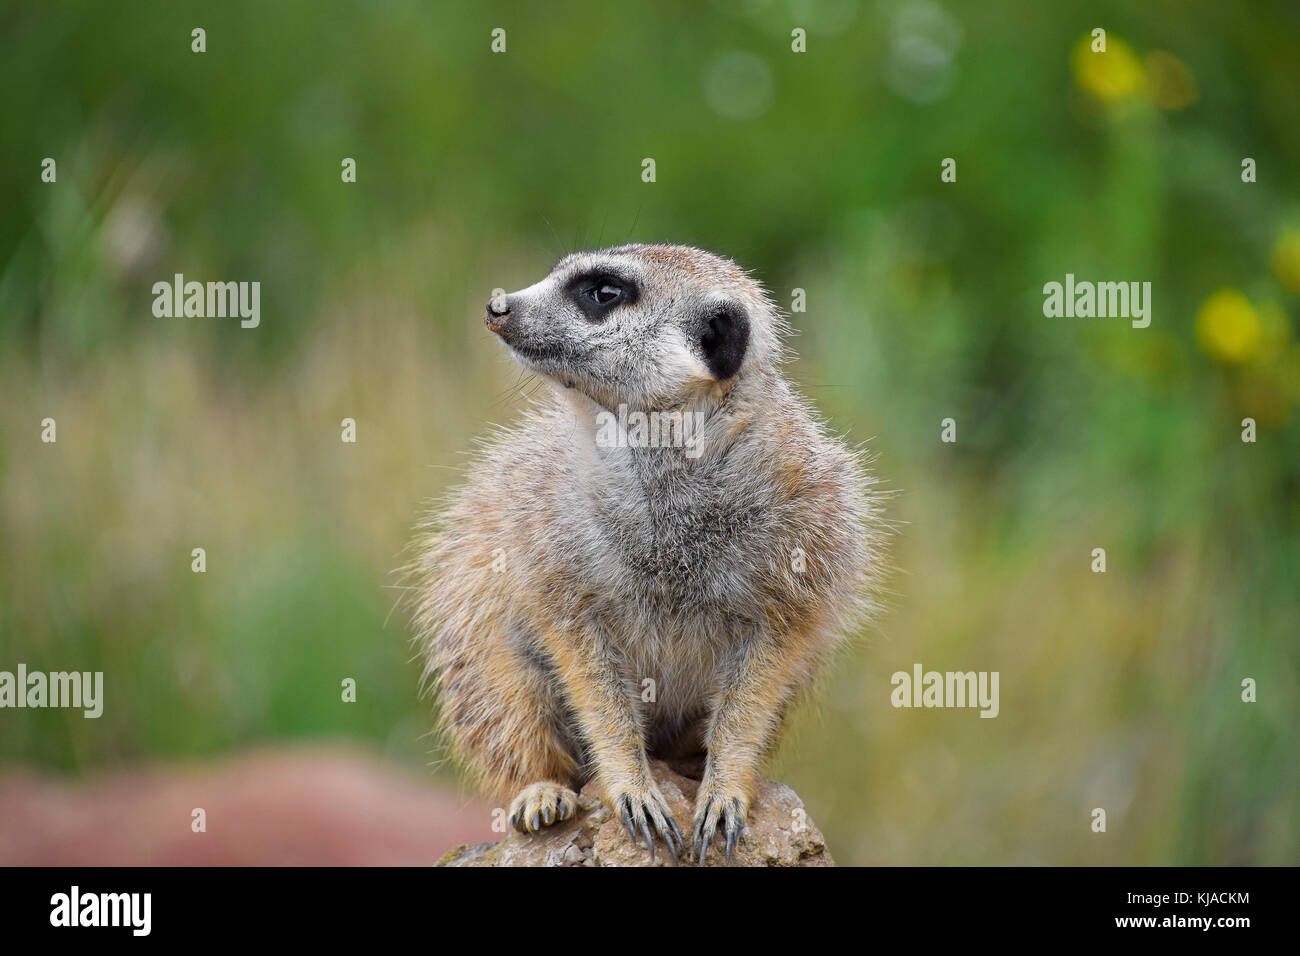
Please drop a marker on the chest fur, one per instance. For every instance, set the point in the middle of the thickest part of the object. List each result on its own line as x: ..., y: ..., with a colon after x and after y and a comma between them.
x: 680, y: 534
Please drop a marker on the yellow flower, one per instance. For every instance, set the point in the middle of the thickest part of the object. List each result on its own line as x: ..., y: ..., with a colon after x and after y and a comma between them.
x: 1110, y: 76
x: 1170, y: 81
x: 1286, y: 260
x: 1229, y: 327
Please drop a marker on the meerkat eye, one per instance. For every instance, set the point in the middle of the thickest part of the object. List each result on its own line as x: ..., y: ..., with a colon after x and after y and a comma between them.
x: 605, y: 294
x: 598, y: 294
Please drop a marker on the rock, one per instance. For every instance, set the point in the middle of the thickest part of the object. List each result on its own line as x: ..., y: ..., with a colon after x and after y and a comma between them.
x: 778, y: 833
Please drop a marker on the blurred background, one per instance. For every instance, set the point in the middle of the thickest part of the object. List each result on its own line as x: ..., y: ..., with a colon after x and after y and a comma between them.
x: 818, y: 170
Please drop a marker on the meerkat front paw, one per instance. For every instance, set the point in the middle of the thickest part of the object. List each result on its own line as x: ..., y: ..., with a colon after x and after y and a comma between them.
x: 541, y: 804
x: 716, y: 808
x: 643, y: 809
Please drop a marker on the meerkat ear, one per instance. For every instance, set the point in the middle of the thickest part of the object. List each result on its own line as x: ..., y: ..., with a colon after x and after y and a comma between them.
x: 724, y: 339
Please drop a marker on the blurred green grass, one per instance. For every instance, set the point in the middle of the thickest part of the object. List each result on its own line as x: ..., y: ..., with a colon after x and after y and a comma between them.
x: 924, y: 301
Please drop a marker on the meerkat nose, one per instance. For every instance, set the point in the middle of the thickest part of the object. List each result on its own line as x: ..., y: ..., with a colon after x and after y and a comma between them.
x: 497, y: 311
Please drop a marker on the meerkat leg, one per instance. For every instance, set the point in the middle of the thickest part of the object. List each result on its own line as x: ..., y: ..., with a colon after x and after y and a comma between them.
x: 542, y: 804
x: 744, y: 723
x: 502, y: 715
x: 608, y: 721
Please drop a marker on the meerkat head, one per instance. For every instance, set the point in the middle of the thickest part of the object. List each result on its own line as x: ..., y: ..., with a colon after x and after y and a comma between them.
x: 651, y: 326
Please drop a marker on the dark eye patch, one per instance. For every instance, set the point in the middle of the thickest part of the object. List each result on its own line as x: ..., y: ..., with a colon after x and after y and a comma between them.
x: 597, y: 293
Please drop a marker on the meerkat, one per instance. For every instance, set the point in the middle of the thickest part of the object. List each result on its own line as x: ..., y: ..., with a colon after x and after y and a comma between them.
x: 590, y: 599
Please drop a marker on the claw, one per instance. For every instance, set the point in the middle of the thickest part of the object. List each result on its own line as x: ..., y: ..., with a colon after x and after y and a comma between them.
x: 666, y: 827
x: 625, y: 814
x: 670, y: 842
x: 649, y: 837
x: 540, y: 805
x: 646, y: 815
x: 676, y: 833
x: 710, y: 829
x: 717, y: 817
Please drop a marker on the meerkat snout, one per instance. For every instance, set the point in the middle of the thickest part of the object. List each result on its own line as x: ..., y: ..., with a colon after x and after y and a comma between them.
x: 498, y: 308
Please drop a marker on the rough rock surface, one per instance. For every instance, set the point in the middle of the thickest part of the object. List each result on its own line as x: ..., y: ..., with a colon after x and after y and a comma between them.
x: 778, y: 833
